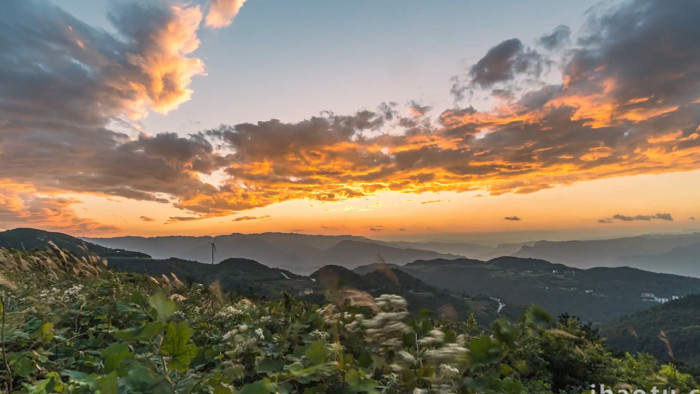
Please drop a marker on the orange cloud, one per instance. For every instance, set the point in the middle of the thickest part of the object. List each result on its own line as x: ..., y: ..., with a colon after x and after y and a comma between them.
x: 163, y: 63
x: 222, y: 12
x: 21, y: 204
x: 616, y: 113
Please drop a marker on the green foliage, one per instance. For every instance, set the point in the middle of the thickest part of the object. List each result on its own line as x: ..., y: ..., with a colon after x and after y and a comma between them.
x: 73, y: 326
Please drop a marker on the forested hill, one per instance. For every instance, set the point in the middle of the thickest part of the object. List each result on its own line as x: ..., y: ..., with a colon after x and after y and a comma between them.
x: 678, y: 321
x: 72, y: 325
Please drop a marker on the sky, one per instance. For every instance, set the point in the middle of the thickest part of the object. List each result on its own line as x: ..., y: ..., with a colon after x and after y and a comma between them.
x: 460, y: 120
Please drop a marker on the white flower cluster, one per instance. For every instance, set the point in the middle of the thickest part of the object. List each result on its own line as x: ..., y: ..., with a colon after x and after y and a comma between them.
x: 260, y: 334
x: 56, y: 295
x: 242, y: 337
x: 434, y: 338
x: 240, y: 308
x: 404, y: 361
x: 451, y: 353
x: 386, y: 328
x: 391, y: 302
x: 319, y: 335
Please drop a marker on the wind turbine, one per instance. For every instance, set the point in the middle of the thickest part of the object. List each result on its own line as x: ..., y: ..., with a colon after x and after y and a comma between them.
x: 213, y: 249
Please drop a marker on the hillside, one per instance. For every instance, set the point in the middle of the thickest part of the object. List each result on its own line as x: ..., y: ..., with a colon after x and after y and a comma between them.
x: 239, y: 275
x: 33, y: 239
x: 256, y: 280
x: 419, y: 294
x: 640, y: 332
x: 73, y: 325
x: 298, y: 253
x: 596, y: 294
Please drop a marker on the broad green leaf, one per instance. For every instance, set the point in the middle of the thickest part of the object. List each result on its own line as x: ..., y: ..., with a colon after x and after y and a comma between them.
x: 163, y: 306
x: 223, y: 389
x: 483, y: 350
x: 260, y: 387
x: 317, y: 352
x: 107, y: 384
x: 21, y: 364
x: 113, y: 356
x: 176, y: 347
x: 358, y: 383
x: 270, y: 365
x: 145, y: 332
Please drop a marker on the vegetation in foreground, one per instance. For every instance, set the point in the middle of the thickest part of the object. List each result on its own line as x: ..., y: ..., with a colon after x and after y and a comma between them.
x: 71, y: 325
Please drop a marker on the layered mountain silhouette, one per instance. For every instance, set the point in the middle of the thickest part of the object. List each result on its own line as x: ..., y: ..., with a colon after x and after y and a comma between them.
x: 296, y: 252
x: 595, y: 294
x: 428, y: 279
x: 658, y: 253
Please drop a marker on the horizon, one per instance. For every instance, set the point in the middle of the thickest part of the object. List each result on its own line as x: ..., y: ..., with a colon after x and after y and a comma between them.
x: 489, y: 240
x: 483, y: 123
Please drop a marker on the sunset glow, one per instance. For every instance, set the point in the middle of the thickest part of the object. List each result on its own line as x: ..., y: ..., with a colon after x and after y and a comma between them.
x: 563, y: 129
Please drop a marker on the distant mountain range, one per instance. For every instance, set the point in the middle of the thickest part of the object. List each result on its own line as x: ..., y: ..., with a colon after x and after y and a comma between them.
x: 673, y: 254
x: 275, y: 262
x: 595, y: 294
x: 299, y: 253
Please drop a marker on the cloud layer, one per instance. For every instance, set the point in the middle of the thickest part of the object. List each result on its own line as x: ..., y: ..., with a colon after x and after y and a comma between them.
x: 646, y: 218
x: 628, y: 103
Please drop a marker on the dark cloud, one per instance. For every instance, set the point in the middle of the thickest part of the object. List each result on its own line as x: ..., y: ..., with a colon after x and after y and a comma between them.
x: 512, y: 218
x: 415, y: 109
x: 376, y: 228
x: 430, y: 202
x: 629, y: 103
x: 147, y: 219
x: 658, y: 216
x: 174, y: 219
x: 558, y: 38
x: 648, y: 48
x: 246, y: 218
x: 692, y: 218
x: 625, y: 218
x: 503, y: 62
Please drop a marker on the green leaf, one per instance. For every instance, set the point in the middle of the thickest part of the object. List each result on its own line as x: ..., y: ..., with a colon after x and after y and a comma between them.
x: 175, y: 345
x: 145, y: 332
x: 260, y: 387
x: 47, y: 332
x: 270, y: 365
x: 21, y: 364
x: 506, y: 370
x: 505, y: 332
x: 484, y: 351
x: 107, y: 384
x: 535, y: 314
x: 163, y: 306
x: 113, y: 356
x: 317, y: 352
x: 358, y: 383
